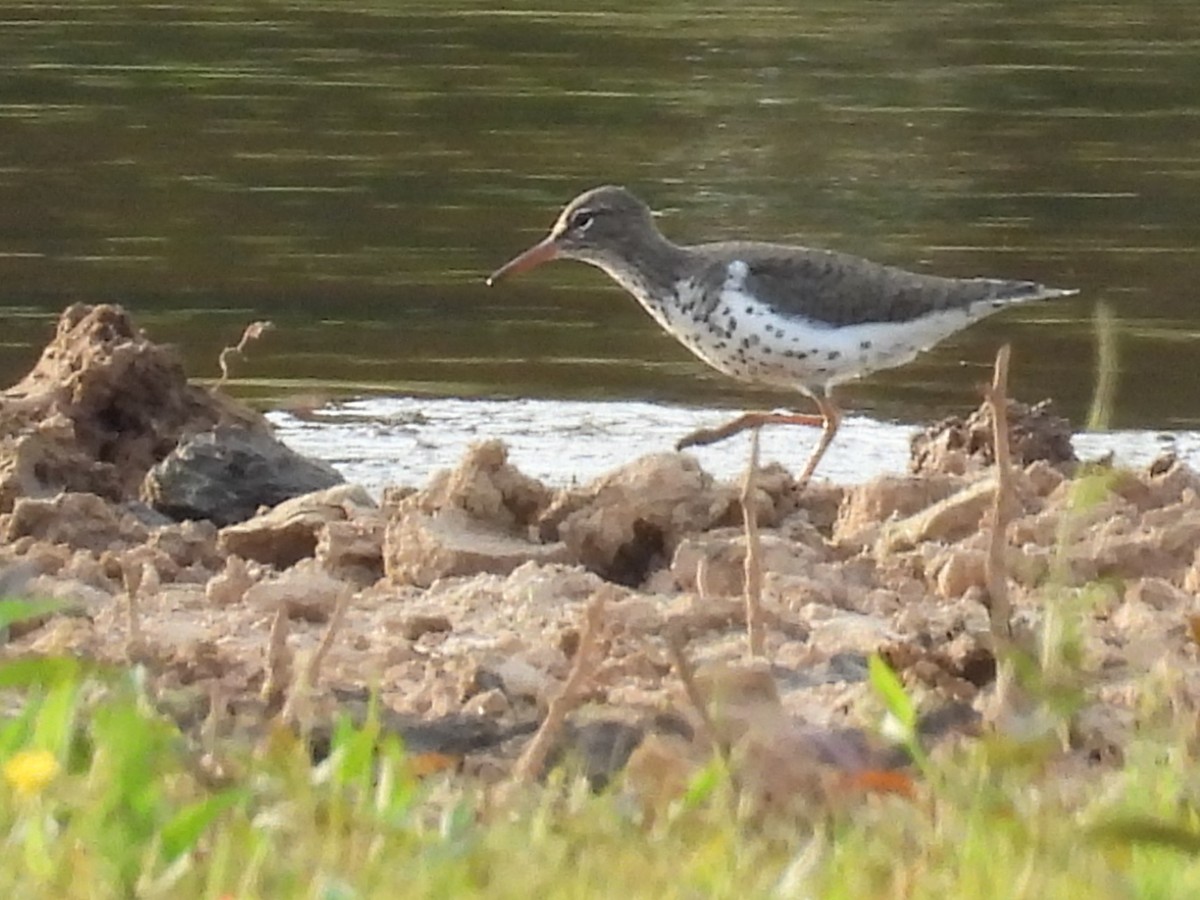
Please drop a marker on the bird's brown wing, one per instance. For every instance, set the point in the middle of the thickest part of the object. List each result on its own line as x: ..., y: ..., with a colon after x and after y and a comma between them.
x: 833, y: 288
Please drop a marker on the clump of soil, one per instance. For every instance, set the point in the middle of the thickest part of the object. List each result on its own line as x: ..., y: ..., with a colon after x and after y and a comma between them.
x: 101, y: 406
x: 461, y: 600
x: 956, y: 445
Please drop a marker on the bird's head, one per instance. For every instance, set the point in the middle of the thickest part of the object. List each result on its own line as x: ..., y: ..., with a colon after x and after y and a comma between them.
x: 596, y: 227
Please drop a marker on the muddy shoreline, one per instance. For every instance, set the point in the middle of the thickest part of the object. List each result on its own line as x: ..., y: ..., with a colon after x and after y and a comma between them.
x: 462, y: 601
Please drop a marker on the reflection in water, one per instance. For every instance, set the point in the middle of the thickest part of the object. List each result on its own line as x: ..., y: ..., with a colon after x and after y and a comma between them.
x: 352, y: 170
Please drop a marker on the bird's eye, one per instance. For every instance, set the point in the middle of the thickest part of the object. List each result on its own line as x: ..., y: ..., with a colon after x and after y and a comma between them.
x: 581, y: 220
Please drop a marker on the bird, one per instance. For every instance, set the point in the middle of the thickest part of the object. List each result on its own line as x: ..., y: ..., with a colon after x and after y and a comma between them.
x: 802, y: 318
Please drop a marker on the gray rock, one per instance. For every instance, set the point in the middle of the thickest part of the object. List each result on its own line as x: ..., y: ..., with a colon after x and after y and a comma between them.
x: 226, y: 474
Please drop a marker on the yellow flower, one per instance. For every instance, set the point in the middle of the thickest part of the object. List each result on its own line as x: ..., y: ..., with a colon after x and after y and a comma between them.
x: 30, y: 771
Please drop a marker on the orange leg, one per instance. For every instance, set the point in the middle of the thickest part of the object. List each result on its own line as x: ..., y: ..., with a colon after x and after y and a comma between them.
x: 832, y: 419
x: 828, y: 420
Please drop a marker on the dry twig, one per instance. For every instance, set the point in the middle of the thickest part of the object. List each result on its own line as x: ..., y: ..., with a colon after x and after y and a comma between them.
x: 703, y: 587
x: 755, y: 626
x: 998, y: 603
x: 687, y: 675
x: 279, y: 661
x: 132, y: 574
x: 212, y: 722
x: 313, y: 669
x: 298, y: 707
x: 533, y: 759
x: 253, y: 332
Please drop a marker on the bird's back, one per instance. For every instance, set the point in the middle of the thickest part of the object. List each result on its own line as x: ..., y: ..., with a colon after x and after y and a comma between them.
x: 829, y: 288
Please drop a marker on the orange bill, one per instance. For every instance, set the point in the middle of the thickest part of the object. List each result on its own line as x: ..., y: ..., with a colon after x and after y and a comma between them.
x: 541, y: 252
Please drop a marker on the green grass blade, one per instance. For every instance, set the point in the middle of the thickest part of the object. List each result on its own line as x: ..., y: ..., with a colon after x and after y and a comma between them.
x: 890, y: 689
x: 14, y: 610
x: 181, y: 833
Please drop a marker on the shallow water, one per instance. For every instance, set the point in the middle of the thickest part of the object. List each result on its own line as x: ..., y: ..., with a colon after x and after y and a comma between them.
x: 385, y: 441
x: 353, y: 169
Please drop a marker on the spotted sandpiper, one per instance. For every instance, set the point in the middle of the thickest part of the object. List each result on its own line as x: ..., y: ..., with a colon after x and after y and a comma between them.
x: 771, y: 314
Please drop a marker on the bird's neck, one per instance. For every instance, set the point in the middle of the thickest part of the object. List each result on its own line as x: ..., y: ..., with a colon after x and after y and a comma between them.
x: 649, y: 267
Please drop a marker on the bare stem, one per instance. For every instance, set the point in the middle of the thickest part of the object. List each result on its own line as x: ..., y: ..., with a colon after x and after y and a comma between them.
x: 755, y: 625
x: 998, y: 603
x: 313, y: 674
x: 253, y: 332
x: 687, y: 675
x: 279, y: 660
x: 133, y: 573
x: 533, y: 759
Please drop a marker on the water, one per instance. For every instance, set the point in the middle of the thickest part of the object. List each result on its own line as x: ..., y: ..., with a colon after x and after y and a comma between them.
x: 383, y: 441
x: 352, y: 170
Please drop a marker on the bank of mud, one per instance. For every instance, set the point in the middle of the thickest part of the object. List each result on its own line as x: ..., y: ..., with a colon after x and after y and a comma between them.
x: 153, y: 509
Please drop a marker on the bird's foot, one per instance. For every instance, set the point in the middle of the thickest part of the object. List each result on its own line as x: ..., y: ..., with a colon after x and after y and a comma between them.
x: 703, y: 436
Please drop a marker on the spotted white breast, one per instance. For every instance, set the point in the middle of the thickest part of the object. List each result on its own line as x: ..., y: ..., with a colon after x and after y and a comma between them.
x: 743, y: 337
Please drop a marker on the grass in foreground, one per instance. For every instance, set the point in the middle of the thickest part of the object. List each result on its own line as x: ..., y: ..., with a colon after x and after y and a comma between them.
x: 101, y: 797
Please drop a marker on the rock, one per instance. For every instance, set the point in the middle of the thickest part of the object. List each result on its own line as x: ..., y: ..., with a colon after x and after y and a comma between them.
x: 225, y: 475
x: 82, y: 521
x: 954, y: 446
x: 420, y: 548
x: 307, y: 592
x: 291, y: 531
x: 715, y: 561
x: 487, y: 488
x: 867, y: 507
x: 628, y: 522
x: 100, y: 407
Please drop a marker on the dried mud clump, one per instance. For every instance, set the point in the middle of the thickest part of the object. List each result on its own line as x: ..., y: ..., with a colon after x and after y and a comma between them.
x: 956, y: 446
x: 101, y: 406
x: 79, y: 521
x: 488, y: 488
x: 629, y: 522
x: 476, y: 518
